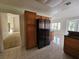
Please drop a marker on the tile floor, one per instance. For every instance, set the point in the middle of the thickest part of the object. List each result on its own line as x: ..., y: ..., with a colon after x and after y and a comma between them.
x: 53, y: 51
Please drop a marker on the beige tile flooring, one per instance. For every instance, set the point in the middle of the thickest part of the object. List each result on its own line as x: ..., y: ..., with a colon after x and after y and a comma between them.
x: 53, y: 51
x: 46, y: 53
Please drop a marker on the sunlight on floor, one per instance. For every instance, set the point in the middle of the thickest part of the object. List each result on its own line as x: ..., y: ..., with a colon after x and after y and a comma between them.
x: 56, y: 40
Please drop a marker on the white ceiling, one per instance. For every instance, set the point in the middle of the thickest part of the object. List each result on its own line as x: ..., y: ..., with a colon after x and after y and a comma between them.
x: 70, y: 11
x: 28, y: 4
x: 49, y: 9
x: 51, y: 3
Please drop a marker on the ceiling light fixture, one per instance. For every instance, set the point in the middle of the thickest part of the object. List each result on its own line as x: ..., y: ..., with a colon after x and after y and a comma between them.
x: 68, y: 3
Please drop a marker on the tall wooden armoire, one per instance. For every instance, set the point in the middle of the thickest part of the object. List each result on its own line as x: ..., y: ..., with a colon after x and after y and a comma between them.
x: 30, y: 29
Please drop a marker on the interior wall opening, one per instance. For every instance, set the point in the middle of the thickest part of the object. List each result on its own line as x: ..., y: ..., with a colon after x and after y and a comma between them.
x: 10, y: 26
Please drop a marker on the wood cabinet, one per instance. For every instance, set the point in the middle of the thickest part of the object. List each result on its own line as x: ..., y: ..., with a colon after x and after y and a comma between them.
x: 71, y: 47
x: 30, y: 29
x: 71, y: 44
x: 41, y: 17
x: 30, y: 17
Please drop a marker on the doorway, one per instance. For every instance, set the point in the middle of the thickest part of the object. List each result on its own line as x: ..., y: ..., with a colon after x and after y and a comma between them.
x: 10, y: 37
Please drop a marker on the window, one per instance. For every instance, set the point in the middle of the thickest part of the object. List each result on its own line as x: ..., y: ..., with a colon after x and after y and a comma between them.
x: 78, y: 27
x: 72, y: 26
x: 55, y: 26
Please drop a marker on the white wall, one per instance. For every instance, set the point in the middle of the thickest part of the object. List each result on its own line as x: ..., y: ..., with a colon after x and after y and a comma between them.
x: 63, y: 22
x: 4, y: 23
x: 16, y: 23
x: 13, y: 19
x: 10, y: 20
x: 1, y: 41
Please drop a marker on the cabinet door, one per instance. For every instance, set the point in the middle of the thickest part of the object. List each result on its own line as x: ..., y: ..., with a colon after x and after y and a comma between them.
x: 30, y: 17
x: 31, y: 36
x: 73, y: 43
x: 30, y: 29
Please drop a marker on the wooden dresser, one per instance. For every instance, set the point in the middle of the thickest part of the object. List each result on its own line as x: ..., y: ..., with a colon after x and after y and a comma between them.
x: 71, y: 44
